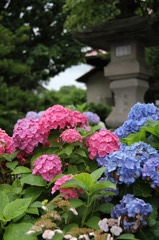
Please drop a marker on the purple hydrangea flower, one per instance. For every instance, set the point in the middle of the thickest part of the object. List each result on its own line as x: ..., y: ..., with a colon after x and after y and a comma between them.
x: 150, y: 172
x: 137, y: 117
x: 93, y: 118
x: 133, y: 212
x: 31, y: 115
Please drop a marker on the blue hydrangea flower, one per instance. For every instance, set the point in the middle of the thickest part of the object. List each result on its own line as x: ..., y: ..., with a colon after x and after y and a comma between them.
x: 40, y: 113
x: 120, y: 167
x: 31, y: 115
x: 141, y: 151
x: 34, y: 115
x: 150, y: 172
x: 143, y: 110
x: 133, y: 212
x: 137, y: 117
x: 93, y: 118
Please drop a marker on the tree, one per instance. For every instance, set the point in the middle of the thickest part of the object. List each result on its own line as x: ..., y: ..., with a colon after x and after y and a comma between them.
x: 85, y: 13
x: 40, y: 47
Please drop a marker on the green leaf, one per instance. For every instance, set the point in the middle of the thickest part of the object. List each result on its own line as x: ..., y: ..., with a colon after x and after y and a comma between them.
x: 33, y: 180
x: 37, y: 204
x: 33, y: 210
x: 80, y: 152
x: 102, y: 185
x: 7, y: 157
x: 155, y: 230
x: 76, y: 202
x: 152, y: 218
x: 3, y: 201
x: 18, y: 231
x: 33, y: 193
x: 93, y: 222
x: 21, y: 169
x: 68, y: 150
x: 127, y: 236
x: 12, y: 165
x: 72, y: 169
x: 68, y: 227
x: 142, y: 190
x: 105, y: 208
x: 58, y: 236
x: 15, y: 208
x: 85, y: 179
x: 98, y: 173
x: 75, y: 184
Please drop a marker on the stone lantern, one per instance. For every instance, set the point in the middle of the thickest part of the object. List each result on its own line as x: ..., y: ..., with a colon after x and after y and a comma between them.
x: 126, y: 39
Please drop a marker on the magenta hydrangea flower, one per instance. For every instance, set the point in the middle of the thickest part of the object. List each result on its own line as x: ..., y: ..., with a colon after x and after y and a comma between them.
x: 78, y: 119
x: 102, y: 143
x: 71, y: 135
x: 66, y: 192
x: 54, y: 117
x: 47, y: 166
x: 6, y: 143
x: 27, y: 135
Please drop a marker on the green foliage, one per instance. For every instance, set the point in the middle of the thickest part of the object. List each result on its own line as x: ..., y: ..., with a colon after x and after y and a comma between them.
x: 85, y: 13
x: 82, y: 13
x: 67, y: 95
x: 31, y: 52
x: 149, y: 133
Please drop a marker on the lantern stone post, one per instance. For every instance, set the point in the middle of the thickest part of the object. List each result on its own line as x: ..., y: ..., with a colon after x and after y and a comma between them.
x: 126, y: 39
x: 128, y: 74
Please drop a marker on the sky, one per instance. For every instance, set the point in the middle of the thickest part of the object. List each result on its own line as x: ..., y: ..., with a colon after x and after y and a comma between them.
x: 68, y: 77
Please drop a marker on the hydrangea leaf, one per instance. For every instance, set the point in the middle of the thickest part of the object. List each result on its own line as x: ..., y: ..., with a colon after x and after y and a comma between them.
x: 98, y: 173
x: 127, y: 236
x: 18, y: 232
x: 93, y: 222
x: 15, y: 208
x: 21, y: 169
x: 76, y: 202
x: 12, y: 165
x: 105, y: 208
x: 33, y: 180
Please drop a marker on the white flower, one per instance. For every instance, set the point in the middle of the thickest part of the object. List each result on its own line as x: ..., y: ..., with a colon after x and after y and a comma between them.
x: 74, y: 211
x: 44, y: 208
x: 48, y: 234
x: 116, y: 230
x: 68, y: 236
x: 91, y: 234
x: 109, y: 237
x: 58, y: 231
x: 30, y: 232
x: 103, y: 225
x: 119, y: 219
x: 85, y: 236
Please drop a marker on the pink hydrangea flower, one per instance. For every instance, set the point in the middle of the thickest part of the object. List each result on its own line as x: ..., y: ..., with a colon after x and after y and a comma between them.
x: 54, y: 117
x: 102, y: 143
x: 71, y: 135
x: 47, y: 166
x: 67, y: 192
x: 6, y: 143
x: 78, y: 119
x: 27, y: 135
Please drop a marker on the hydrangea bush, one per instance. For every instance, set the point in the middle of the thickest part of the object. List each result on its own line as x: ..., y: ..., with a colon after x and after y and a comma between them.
x: 61, y: 178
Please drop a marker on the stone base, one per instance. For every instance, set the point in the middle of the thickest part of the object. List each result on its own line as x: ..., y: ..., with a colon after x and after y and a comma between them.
x: 127, y: 93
